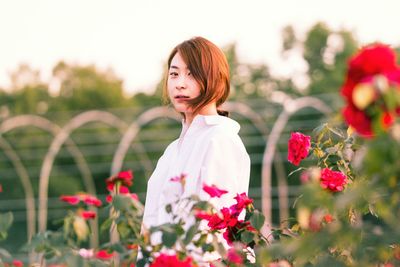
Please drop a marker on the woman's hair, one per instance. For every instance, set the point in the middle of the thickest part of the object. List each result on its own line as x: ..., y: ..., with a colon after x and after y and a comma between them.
x: 209, y: 67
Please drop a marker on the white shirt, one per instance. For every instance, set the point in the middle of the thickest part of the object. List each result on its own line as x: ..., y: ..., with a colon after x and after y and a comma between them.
x: 209, y: 151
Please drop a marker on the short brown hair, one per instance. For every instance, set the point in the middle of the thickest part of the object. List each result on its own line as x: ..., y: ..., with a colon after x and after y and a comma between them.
x: 209, y: 68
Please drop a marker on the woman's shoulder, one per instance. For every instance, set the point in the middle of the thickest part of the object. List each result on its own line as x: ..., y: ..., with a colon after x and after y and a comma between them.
x: 172, y: 146
x: 224, y: 132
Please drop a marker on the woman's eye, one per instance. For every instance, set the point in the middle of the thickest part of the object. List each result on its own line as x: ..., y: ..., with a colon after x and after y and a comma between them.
x: 174, y: 74
x: 189, y: 73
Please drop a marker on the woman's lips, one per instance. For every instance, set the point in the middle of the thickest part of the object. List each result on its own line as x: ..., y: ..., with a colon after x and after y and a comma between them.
x: 181, y: 97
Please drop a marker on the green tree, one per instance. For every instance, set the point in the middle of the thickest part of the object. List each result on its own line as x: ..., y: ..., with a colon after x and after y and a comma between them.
x: 86, y: 87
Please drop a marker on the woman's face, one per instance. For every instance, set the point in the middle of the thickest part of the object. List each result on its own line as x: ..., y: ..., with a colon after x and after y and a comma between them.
x: 181, y: 86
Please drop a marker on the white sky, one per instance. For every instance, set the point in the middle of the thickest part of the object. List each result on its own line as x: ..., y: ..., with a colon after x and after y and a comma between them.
x: 135, y: 37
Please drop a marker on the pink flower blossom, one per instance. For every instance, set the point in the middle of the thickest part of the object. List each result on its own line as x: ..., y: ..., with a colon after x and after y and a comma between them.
x: 214, y: 191
x: 333, y: 180
x: 86, y: 253
x: 298, y: 147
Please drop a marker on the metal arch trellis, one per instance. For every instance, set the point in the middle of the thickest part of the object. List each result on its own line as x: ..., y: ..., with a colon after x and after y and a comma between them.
x: 61, y: 137
x: 55, y: 146
x: 26, y: 185
x: 289, y: 107
x: 46, y: 125
x: 259, y: 123
x: 132, y: 131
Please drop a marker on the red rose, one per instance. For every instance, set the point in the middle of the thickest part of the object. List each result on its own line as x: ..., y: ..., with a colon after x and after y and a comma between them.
x: 371, y: 60
x: 333, y: 180
x: 73, y: 200
x: 124, y: 177
x: 234, y: 257
x: 91, y: 200
x: 387, y: 120
x: 371, y: 72
x: 358, y: 120
x: 202, y: 215
x: 104, y: 255
x: 298, y: 147
x: 242, y: 201
x: 214, y: 191
x: 17, y: 263
x: 216, y: 223
x: 86, y: 198
x: 88, y: 214
x: 164, y: 260
x: 328, y: 218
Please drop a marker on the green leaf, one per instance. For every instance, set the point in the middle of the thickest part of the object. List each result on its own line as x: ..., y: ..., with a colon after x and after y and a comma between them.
x: 207, y: 247
x: 169, y: 238
x: 247, y: 237
x: 122, y: 203
x: 338, y: 132
x: 6, y: 220
x: 257, y: 220
x: 106, y: 225
x: 123, y: 230
x: 190, y: 233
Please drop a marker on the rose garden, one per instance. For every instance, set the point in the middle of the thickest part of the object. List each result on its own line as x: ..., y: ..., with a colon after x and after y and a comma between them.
x: 347, y: 210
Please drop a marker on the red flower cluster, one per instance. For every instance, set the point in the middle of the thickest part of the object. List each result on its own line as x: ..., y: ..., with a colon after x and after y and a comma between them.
x: 122, y: 181
x: 372, y: 73
x: 124, y: 178
x: 164, y: 260
x: 85, y: 198
x: 123, y: 190
x: 227, y: 218
x: 333, y: 180
x: 298, y: 147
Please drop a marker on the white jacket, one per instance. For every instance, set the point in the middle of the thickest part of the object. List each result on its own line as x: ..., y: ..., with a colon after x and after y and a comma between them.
x: 209, y: 151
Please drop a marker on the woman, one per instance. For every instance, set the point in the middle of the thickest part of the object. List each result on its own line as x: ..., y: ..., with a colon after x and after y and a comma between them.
x: 209, y: 150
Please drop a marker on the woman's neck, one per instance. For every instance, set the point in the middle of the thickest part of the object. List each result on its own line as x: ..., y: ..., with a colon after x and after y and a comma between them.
x: 205, y: 111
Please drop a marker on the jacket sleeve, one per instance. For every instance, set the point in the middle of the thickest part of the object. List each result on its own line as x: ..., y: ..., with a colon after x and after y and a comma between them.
x: 227, y: 166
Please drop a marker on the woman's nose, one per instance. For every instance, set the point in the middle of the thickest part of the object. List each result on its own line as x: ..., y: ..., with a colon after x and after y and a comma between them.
x: 181, y: 83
